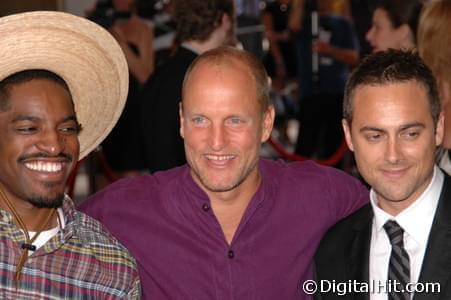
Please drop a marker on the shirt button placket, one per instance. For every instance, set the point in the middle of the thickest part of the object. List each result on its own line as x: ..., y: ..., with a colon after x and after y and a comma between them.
x: 231, y: 254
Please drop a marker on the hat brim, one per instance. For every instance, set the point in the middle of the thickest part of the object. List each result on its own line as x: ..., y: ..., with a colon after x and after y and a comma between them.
x: 84, y: 54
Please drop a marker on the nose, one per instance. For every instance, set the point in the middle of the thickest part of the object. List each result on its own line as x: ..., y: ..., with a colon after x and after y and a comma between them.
x: 218, y: 137
x: 51, y: 142
x: 393, y: 153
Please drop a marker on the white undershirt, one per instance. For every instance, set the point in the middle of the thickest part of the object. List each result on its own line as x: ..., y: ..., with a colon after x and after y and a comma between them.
x: 46, y: 235
x: 416, y: 220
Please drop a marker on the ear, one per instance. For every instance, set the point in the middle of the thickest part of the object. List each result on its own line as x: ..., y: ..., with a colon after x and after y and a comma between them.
x: 405, y: 35
x: 182, y: 120
x: 347, y: 132
x: 440, y: 129
x: 268, y: 123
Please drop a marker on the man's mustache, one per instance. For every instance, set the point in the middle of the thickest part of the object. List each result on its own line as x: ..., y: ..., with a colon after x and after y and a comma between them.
x: 64, y: 156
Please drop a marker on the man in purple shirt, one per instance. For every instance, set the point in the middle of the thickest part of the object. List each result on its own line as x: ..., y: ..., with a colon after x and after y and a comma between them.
x: 227, y: 225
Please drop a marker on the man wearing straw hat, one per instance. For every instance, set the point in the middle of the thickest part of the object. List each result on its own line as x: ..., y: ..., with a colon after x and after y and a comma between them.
x: 63, y: 83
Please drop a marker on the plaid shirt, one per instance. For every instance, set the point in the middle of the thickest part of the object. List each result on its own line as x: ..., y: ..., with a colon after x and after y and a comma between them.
x: 82, y: 261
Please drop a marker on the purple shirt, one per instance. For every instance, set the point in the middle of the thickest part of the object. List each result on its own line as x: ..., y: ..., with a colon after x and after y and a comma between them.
x: 166, y: 222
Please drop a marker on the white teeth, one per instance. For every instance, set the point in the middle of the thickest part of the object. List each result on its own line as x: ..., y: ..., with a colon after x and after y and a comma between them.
x: 219, y: 157
x: 44, y: 166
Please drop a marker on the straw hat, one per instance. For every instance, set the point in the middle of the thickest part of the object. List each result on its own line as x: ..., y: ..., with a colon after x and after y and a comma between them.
x: 84, y: 54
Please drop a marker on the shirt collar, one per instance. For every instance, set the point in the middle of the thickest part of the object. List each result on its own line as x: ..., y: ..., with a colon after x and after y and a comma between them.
x: 422, y: 209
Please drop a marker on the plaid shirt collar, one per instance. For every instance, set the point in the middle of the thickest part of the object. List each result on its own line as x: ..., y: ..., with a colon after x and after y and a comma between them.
x: 72, y: 220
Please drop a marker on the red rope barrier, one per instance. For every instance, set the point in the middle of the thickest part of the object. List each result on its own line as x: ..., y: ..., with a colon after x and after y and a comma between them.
x: 331, y: 161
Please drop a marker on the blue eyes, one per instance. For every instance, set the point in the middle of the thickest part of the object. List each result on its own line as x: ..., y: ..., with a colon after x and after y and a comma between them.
x: 236, y: 120
x: 199, y: 120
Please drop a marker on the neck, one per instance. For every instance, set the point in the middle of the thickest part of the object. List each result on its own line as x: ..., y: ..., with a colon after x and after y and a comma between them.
x: 31, y: 216
x: 407, y: 43
x: 229, y: 207
x: 215, y: 40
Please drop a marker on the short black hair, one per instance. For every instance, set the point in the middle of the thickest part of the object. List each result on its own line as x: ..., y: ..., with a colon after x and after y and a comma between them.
x: 390, y: 67
x: 402, y: 12
x: 25, y: 76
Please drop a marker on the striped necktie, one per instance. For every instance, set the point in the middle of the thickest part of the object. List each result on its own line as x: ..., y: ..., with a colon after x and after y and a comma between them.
x: 399, y: 265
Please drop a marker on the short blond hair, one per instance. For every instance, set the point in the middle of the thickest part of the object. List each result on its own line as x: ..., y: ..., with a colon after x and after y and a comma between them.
x: 227, y: 55
x: 434, y: 38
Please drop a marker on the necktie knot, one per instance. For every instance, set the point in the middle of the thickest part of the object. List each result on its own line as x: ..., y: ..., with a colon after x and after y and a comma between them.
x: 395, y: 233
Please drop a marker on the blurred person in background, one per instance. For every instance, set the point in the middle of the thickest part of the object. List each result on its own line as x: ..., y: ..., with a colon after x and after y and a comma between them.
x: 434, y: 46
x: 336, y: 48
x: 281, y: 64
x: 280, y: 61
x: 123, y: 148
x: 248, y: 18
x: 395, y: 24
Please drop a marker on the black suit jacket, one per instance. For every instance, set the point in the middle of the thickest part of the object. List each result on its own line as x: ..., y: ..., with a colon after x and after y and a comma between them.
x: 343, y: 254
x: 160, y: 122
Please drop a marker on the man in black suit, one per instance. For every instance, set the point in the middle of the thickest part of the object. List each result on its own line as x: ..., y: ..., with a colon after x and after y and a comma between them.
x: 201, y: 26
x: 398, y: 246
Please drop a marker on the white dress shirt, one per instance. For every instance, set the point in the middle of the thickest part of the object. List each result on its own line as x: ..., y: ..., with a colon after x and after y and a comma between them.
x: 416, y: 220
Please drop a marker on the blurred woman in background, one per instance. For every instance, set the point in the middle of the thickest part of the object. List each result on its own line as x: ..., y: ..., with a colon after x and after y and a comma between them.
x: 434, y: 46
x: 123, y: 148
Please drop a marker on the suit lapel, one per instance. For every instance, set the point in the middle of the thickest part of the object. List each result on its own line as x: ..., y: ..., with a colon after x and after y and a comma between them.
x: 358, y: 262
x: 436, y: 267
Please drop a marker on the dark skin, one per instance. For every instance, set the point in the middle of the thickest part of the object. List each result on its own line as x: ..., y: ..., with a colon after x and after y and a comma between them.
x: 38, y: 150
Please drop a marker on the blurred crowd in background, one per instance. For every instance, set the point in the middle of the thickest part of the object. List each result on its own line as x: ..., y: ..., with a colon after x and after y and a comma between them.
x: 307, y: 46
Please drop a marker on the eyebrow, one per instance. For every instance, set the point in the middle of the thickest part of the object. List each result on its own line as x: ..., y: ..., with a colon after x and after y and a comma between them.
x: 25, y: 118
x: 35, y: 119
x: 402, y: 127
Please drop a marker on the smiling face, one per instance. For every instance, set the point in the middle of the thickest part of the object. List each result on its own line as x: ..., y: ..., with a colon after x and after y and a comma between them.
x: 394, y: 138
x: 223, y: 126
x: 39, y: 145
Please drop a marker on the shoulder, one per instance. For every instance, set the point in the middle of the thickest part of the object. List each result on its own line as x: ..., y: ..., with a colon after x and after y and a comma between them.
x: 137, y: 190
x: 173, y: 70
x: 306, y: 172
x: 102, y: 246
x: 342, y: 234
x: 182, y: 58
